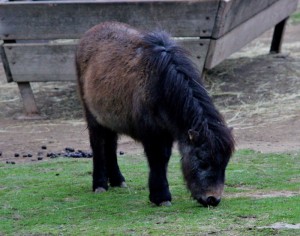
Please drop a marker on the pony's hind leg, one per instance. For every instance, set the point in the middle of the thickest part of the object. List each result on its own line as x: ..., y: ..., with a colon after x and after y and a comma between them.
x: 105, y: 165
x: 97, y: 140
x: 158, y: 152
x: 115, y: 177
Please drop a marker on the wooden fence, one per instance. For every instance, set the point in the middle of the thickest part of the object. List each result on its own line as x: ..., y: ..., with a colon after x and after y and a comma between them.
x: 38, y: 38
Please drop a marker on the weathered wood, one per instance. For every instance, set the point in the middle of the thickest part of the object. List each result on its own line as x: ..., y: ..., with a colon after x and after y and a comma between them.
x: 231, y: 42
x: 212, y: 30
x: 232, y: 13
x: 67, y: 20
x: 55, y: 61
x: 28, y: 99
x: 198, y: 49
x: 278, y: 36
x: 41, y: 62
x: 5, y: 63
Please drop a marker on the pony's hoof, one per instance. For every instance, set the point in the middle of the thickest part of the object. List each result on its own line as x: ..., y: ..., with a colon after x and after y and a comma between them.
x: 100, y: 190
x: 123, y: 185
x: 165, y: 204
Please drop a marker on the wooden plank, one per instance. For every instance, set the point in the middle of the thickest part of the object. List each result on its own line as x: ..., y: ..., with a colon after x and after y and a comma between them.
x: 69, y: 20
x: 5, y: 63
x: 234, y: 12
x: 198, y: 49
x: 223, y: 47
x: 28, y: 100
x: 55, y: 61
x: 41, y: 62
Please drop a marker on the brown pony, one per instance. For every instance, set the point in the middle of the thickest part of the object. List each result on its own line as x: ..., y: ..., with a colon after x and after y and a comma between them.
x: 145, y: 86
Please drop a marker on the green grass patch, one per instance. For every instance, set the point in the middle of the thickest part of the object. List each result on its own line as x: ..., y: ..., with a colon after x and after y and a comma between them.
x: 55, y: 198
x: 295, y: 18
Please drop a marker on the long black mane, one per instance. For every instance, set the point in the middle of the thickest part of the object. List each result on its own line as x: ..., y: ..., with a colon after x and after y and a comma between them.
x: 177, y: 85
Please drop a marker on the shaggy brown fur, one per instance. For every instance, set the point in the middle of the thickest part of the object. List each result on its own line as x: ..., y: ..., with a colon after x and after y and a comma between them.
x: 144, y: 85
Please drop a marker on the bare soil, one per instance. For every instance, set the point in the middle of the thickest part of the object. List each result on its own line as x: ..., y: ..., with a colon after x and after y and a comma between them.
x: 258, y: 93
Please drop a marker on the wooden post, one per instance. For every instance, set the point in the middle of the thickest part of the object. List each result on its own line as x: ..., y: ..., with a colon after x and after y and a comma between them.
x: 5, y: 62
x: 278, y: 36
x: 31, y: 110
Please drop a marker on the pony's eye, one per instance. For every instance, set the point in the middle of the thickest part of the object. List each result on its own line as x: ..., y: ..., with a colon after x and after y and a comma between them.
x: 202, y: 160
x: 201, y: 155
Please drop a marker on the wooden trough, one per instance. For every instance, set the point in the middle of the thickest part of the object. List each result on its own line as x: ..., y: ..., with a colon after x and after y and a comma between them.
x: 38, y: 38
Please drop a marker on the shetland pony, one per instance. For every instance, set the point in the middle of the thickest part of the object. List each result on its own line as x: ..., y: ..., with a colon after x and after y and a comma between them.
x: 145, y: 86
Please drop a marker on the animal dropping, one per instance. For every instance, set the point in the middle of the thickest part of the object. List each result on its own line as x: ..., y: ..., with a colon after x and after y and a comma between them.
x: 144, y: 85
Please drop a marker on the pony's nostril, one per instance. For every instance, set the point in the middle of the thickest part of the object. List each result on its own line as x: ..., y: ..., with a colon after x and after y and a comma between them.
x: 212, y: 201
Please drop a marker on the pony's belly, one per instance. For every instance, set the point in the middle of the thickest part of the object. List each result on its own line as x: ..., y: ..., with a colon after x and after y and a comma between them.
x: 114, y: 101
x: 113, y: 116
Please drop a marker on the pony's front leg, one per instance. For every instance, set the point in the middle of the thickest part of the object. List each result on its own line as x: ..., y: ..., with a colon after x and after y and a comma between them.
x: 158, y: 153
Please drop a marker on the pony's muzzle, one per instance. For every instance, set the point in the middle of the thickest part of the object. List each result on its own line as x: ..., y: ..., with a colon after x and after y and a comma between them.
x: 209, y: 201
x: 212, y: 197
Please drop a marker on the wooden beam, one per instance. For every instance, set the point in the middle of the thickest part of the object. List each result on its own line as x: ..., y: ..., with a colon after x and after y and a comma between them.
x: 278, y: 36
x: 41, y: 62
x: 5, y: 63
x: 54, y: 61
x: 198, y: 49
x: 232, y: 13
x: 234, y: 40
x: 69, y: 20
x: 28, y: 100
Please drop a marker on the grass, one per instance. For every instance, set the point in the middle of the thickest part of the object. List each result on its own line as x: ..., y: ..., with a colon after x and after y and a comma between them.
x: 296, y: 17
x: 55, y: 198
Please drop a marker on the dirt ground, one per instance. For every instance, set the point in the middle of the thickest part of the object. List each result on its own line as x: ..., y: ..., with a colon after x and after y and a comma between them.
x: 258, y: 93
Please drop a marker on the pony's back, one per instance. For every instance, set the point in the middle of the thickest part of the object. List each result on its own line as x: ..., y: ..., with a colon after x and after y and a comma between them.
x: 111, y: 74
x: 133, y: 82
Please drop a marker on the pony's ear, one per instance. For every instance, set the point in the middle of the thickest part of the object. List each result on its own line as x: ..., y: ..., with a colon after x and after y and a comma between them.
x: 193, y: 135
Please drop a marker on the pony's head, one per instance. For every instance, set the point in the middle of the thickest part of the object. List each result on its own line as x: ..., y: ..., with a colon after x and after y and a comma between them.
x: 205, y: 155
